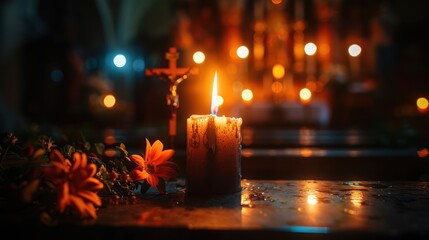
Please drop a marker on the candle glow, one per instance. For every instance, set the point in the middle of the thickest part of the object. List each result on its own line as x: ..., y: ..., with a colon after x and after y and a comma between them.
x: 214, y: 106
x: 213, y: 151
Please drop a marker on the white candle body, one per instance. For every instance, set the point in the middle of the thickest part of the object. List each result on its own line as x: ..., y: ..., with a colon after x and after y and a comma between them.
x: 213, y: 154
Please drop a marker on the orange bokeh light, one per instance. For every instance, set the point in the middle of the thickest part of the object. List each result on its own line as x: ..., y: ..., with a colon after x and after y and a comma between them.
x: 109, y: 101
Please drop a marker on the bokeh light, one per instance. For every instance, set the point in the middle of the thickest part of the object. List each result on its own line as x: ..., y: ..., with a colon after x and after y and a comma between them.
x: 305, y: 95
x: 247, y: 95
x: 109, y: 101
x: 139, y: 65
x: 422, y: 104
x: 310, y: 49
x: 119, y: 60
x: 242, y: 52
x: 276, y: 87
x: 219, y: 101
x: 199, y: 57
x: 278, y: 71
x: 354, y: 50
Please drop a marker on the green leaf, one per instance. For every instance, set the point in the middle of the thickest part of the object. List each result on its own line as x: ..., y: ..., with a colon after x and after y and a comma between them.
x: 123, y: 151
x: 68, y: 150
x: 99, y: 148
x: 87, y: 146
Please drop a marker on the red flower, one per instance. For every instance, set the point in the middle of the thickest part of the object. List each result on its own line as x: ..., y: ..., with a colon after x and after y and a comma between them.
x: 154, y: 165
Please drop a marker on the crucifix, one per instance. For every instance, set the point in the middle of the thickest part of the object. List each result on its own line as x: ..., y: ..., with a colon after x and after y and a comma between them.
x: 173, y: 76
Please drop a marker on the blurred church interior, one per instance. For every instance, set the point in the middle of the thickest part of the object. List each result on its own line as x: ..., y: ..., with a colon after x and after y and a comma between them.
x: 291, y: 67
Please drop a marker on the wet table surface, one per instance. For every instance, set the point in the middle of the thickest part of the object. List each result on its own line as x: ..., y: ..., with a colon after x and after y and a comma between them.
x: 269, y: 209
x: 282, y: 208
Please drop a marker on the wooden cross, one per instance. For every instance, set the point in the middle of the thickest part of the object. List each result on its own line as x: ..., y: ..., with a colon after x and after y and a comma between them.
x: 173, y: 76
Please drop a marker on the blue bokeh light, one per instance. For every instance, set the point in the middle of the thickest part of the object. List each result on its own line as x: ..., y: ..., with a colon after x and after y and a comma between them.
x: 119, y: 60
x: 139, y: 65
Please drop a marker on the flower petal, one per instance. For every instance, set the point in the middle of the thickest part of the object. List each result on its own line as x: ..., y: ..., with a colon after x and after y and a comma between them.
x: 164, y: 156
x: 139, y: 174
x: 152, y: 180
x: 90, y: 209
x: 92, y: 184
x: 39, y: 152
x: 137, y: 159
x: 63, y: 197
x: 156, y: 151
x: 56, y: 171
x: 78, y: 205
x: 67, y: 163
x: 92, y: 169
x: 148, y: 150
x: 57, y: 156
x: 84, y: 161
x: 77, y: 158
x: 166, y: 172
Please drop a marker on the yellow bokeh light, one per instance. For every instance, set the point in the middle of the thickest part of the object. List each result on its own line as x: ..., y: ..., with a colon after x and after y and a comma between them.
x: 422, y: 104
x: 354, y: 50
x: 305, y: 95
x: 199, y: 57
x: 310, y: 49
x: 242, y: 52
x: 109, y: 101
x: 247, y: 95
x: 278, y: 71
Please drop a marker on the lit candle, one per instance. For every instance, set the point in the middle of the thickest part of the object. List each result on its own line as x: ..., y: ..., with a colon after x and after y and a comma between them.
x: 213, y: 152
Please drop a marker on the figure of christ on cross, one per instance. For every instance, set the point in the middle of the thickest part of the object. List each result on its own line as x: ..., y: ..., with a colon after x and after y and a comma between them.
x: 173, y: 76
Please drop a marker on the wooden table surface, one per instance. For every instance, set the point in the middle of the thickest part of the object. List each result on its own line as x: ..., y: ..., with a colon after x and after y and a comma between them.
x: 264, y: 209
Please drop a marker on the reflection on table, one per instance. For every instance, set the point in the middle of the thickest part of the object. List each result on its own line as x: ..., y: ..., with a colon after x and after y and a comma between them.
x: 281, y: 208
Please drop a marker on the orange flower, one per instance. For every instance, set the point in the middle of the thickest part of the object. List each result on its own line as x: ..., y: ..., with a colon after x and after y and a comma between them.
x: 77, y: 188
x: 60, y: 168
x: 154, y: 165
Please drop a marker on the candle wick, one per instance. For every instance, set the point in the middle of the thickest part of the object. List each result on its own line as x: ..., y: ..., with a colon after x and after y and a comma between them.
x: 214, y: 109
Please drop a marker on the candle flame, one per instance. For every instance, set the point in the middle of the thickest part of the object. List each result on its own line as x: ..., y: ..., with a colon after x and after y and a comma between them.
x: 215, y: 106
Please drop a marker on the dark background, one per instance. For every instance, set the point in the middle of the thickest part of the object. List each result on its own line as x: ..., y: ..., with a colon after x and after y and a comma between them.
x: 55, y: 59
